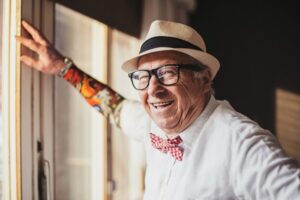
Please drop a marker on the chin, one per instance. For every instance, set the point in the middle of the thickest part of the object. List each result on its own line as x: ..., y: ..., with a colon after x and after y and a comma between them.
x: 166, y: 125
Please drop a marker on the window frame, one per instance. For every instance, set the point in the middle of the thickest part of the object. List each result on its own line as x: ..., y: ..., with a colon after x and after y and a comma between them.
x: 11, y: 100
x: 26, y: 118
x: 37, y: 110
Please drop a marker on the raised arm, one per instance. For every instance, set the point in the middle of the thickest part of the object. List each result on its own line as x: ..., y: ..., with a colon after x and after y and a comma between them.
x: 50, y: 61
x: 97, y: 94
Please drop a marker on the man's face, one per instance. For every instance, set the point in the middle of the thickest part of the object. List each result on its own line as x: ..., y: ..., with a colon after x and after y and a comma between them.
x: 174, y: 108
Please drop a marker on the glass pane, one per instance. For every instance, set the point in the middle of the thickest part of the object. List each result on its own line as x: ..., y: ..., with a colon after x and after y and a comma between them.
x: 1, y: 119
x: 127, y: 155
x: 79, y: 168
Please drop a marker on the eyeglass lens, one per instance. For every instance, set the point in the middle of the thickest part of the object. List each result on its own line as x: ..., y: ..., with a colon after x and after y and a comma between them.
x: 166, y: 75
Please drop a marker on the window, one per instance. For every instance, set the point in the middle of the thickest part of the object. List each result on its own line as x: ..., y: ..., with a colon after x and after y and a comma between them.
x: 74, y: 146
x: 10, y: 101
x: 84, y: 149
x: 127, y: 172
x: 80, y: 131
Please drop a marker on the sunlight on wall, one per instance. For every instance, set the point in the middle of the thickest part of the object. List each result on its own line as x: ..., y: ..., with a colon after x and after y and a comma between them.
x: 288, y: 121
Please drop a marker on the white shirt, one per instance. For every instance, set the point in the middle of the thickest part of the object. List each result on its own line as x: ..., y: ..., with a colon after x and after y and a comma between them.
x: 226, y: 156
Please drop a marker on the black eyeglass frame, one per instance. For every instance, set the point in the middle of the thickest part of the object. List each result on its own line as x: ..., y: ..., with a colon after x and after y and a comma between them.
x: 192, y: 67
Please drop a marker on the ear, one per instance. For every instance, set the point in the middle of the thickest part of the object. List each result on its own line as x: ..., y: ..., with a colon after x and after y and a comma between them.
x: 207, y: 80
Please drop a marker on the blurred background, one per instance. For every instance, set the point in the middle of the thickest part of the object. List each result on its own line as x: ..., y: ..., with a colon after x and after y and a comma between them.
x: 257, y: 44
x: 83, y: 156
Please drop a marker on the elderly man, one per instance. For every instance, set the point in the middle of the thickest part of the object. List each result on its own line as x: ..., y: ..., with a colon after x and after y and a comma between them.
x: 196, y: 147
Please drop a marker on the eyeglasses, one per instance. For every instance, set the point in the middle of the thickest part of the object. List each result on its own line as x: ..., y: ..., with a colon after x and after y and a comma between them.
x: 166, y: 75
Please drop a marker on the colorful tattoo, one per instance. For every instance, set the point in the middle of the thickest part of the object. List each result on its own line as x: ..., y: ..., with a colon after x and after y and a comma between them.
x: 97, y: 94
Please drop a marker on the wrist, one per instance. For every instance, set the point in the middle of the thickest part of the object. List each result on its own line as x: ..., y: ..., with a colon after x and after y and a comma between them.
x: 68, y: 63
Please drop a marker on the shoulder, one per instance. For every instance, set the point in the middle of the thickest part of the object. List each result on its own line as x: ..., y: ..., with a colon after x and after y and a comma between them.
x: 247, y: 139
x: 231, y: 122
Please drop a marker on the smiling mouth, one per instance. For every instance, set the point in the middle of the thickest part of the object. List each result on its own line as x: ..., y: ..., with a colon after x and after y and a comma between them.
x: 161, y: 105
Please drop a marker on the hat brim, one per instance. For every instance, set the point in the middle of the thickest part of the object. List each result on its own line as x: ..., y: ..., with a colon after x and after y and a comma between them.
x: 204, y: 58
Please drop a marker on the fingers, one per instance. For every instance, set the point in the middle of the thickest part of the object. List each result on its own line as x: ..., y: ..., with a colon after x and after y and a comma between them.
x: 36, y: 35
x: 29, y: 61
x: 48, y: 57
x: 28, y: 43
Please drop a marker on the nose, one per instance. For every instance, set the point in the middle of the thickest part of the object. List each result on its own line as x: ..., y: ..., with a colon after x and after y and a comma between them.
x: 155, y: 88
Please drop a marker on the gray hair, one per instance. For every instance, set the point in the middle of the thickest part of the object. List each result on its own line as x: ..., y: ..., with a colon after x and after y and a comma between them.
x: 199, y: 74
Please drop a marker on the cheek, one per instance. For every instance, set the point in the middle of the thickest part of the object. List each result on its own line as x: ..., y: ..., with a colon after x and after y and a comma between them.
x: 182, y: 95
x: 189, y: 93
x: 143, y: 98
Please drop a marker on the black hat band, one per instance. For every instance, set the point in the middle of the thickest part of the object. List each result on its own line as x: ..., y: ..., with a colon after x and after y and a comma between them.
x: 164, y: 41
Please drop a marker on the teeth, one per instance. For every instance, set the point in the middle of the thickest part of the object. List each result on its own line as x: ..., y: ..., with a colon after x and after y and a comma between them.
x: 161, y: 104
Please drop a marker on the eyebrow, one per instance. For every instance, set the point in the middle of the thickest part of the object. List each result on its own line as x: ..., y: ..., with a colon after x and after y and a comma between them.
x: 167, y: 63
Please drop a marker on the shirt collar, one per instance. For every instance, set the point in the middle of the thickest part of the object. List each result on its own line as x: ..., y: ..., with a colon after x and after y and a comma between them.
x: 189, y: 134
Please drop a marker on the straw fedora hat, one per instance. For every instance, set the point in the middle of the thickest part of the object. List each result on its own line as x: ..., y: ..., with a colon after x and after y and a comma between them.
x: 172, y: 36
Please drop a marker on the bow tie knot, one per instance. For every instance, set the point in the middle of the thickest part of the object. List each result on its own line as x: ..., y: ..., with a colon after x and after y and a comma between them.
x: 170, y: 146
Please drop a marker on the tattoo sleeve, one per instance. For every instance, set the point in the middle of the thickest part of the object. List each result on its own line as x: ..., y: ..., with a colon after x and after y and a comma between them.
x: 98, y: 95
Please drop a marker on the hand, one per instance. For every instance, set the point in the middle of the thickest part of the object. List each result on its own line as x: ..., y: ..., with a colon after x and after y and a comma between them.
x: 49, y: 60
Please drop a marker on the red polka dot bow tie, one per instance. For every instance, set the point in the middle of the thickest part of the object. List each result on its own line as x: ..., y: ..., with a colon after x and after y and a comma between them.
x: 170, y: 146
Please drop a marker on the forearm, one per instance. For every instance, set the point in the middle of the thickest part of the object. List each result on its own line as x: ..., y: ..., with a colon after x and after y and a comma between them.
x: 98, y: 95
x: 50, y: 61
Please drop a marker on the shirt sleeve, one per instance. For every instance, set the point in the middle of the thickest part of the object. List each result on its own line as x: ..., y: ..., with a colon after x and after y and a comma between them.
x: 98, y: 95
x: 261, y: 169
x: 133, y: 120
